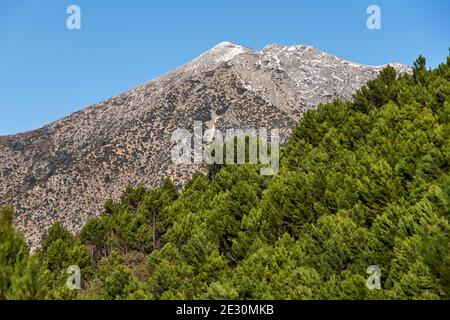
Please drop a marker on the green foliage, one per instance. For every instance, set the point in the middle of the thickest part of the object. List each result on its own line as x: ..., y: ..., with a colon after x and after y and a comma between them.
x: 363, y: 182
x: 13, y: 252
x: 30, y: 283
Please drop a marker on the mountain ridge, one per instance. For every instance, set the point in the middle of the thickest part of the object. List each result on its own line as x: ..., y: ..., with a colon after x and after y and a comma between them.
x: 65, y: 170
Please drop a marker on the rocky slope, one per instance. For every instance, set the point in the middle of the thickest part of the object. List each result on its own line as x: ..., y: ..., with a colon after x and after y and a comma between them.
x: 66, y: 170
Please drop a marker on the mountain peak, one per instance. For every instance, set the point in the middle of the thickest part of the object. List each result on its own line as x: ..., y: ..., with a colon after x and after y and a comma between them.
x: 277, y: 47
x: 74, y: 165
x: 225, y: 51
x: 226, y: 44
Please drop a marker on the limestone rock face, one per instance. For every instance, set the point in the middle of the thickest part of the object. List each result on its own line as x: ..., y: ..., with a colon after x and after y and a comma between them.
x: 66, y: 170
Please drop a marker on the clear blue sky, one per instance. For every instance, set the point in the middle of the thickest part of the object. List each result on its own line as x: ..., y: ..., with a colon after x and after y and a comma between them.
x: 48, y: 71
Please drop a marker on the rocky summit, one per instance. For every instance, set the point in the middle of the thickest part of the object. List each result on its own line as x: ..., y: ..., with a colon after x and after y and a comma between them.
x: 66, y: 170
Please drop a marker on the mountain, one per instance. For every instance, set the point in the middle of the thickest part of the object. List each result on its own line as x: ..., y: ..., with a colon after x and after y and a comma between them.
x: 66, y: 170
